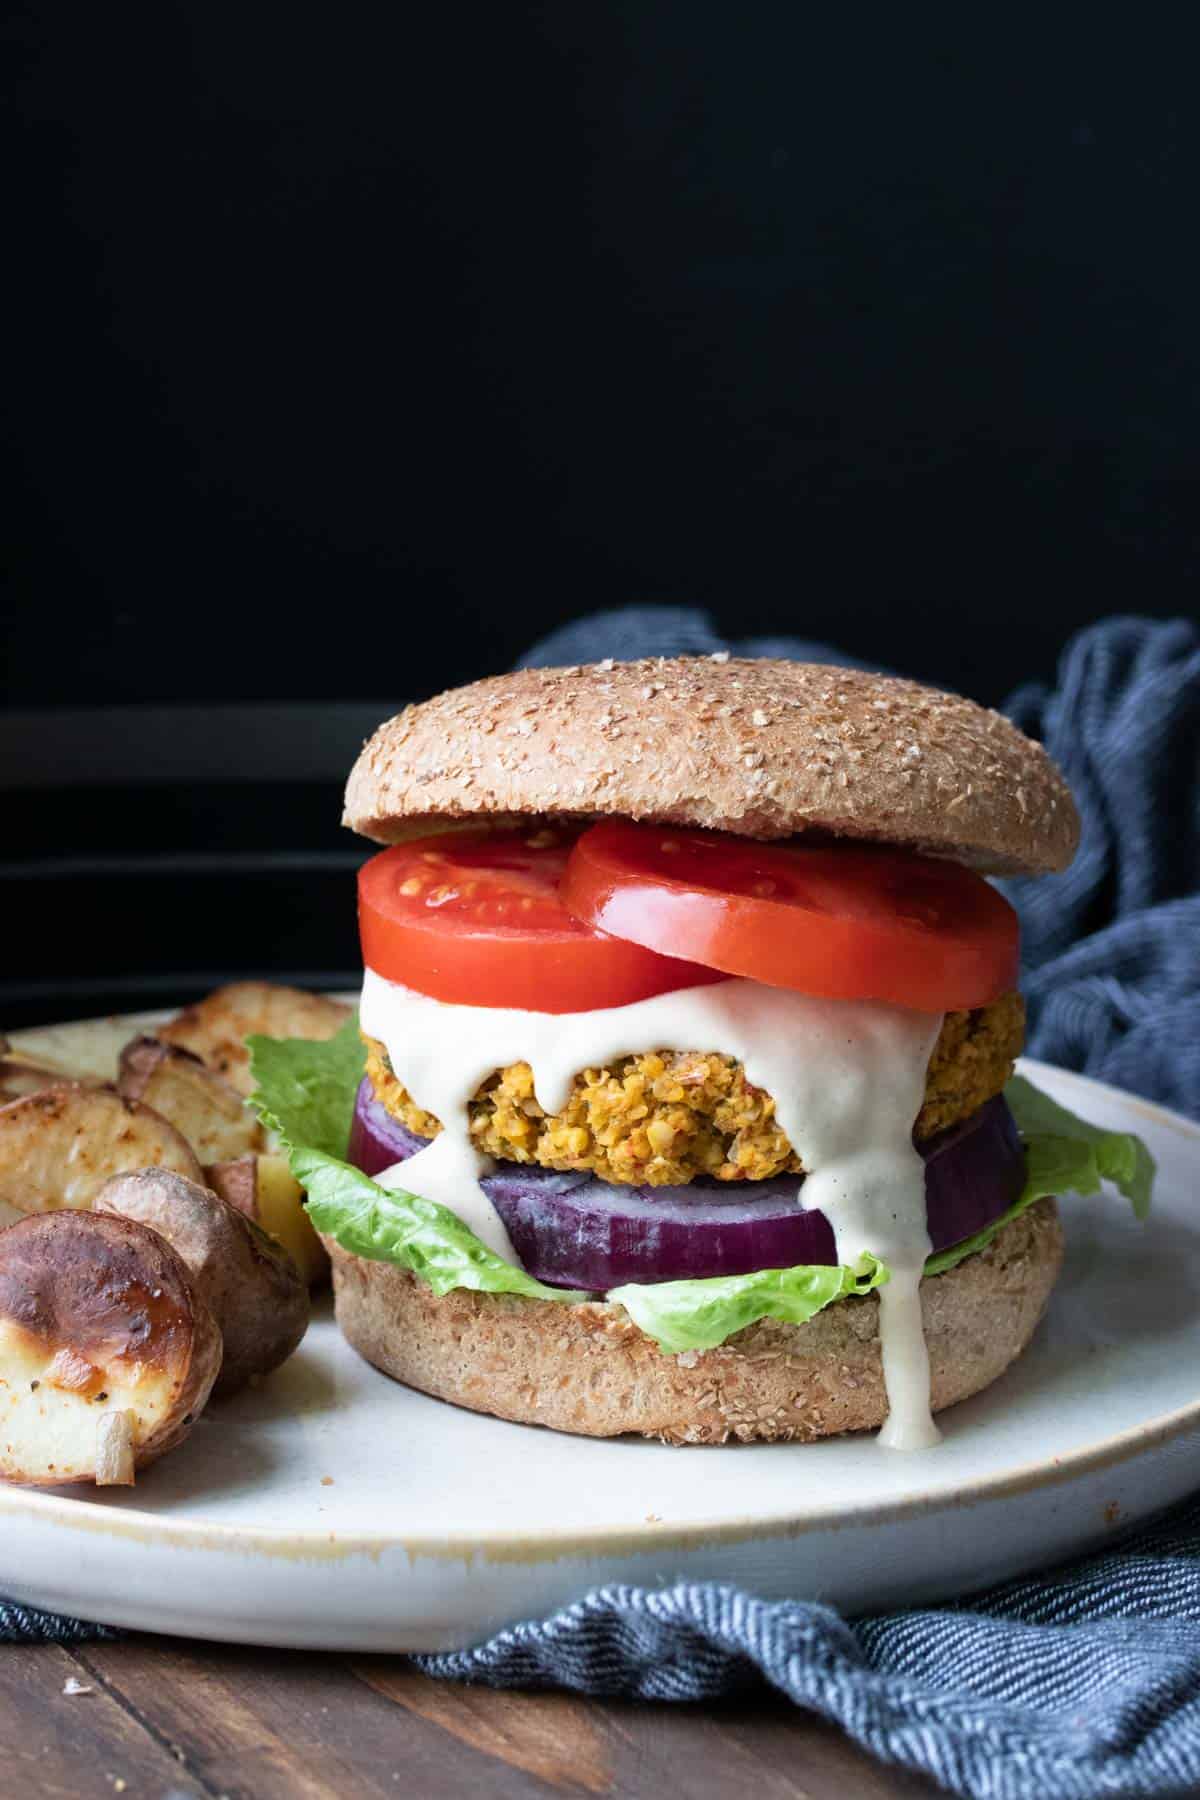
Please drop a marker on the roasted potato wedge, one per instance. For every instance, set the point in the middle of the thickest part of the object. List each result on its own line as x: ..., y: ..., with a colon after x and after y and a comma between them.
x: 199, y: 1103
x: 19, y: 1078
x: 58, y: 1147
x: 251, y: 1284
x: 21, y: 1073
x: 85, y: 1051
x: 264, y: 1188
x: 215, y: 1028
x: 107, y: 1352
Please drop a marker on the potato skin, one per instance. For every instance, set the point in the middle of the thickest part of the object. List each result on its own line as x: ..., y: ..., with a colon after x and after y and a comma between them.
x: 59, y: 1145
x: 250, y: 1283
x: 202, y: 1106
x: 215, y: 1028
x: 236, y: 1180
x: 109, y: 1292
x: 264, y: 1188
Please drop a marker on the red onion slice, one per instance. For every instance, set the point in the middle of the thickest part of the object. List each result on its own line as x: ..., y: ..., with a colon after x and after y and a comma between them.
x: 573, y: 1230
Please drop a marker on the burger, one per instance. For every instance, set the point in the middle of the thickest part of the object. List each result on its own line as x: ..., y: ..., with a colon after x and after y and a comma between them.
x: 682, y: 1090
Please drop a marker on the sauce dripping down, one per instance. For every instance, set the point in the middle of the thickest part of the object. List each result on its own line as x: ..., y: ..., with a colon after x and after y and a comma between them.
x: 847, y: 1078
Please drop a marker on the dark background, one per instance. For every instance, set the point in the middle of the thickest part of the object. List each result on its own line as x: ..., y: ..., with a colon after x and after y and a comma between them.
x: 351, y: 349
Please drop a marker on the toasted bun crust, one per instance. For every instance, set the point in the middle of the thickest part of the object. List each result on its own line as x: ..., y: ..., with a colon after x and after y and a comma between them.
x: 588, y: 1369
x: 766, y: 749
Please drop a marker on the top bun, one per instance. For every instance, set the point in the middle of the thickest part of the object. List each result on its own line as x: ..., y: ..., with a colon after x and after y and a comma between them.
x: 762, y: 748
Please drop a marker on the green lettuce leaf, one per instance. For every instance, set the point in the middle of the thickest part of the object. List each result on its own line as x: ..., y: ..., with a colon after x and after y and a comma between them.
x: 1079, y: 1156
x: 1063, y: 1155
x: 699, y: 1315
x: 388, y: 1225
x: 305, y: 1092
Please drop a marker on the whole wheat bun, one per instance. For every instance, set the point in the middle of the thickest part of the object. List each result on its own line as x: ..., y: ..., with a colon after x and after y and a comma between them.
x: 587, y: 1368
x: 766, y: 749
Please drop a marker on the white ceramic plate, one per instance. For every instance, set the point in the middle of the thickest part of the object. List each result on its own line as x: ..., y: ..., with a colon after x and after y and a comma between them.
x: 334, y: 1509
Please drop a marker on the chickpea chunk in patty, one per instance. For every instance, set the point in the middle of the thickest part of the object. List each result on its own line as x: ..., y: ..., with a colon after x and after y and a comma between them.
x: 664, y: 1117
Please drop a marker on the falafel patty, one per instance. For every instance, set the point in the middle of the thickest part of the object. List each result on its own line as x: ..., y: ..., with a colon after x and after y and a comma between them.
x: 666, y: 1116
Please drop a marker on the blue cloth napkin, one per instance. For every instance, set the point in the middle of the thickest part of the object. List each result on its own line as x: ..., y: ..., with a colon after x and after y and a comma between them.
x: 1068, y: 1686
x: 1085, y: 1681
x: 27, y: 1625
x: 1074, y: 1684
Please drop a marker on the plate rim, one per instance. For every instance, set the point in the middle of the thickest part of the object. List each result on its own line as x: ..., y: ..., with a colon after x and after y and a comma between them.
x: 139, y: 1526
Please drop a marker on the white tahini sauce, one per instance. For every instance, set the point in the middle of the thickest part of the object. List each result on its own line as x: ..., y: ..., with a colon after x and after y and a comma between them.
x: 847, y: 1077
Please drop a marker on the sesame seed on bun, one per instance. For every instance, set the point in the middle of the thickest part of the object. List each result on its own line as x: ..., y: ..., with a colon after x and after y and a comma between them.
x: 765, y: 749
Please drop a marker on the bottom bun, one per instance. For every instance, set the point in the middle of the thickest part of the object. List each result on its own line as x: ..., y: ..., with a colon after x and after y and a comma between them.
x: 588, y: 1369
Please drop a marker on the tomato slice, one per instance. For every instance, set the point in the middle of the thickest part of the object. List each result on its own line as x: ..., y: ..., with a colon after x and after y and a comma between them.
x: 847, y: 921
x: 475, y: 918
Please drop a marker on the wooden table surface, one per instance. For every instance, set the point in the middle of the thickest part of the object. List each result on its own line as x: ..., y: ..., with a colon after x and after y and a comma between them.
x: 162, y: 1718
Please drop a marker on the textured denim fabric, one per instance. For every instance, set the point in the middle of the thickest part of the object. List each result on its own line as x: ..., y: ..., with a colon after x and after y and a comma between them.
x: 1068, y: 1686
x: 1084, y: 1681
x: 1112, y: 946
x: 26, y: 1625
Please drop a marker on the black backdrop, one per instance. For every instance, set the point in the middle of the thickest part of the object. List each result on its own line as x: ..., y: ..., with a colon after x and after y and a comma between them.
x: 359, y: 345
x: 352, y: 348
